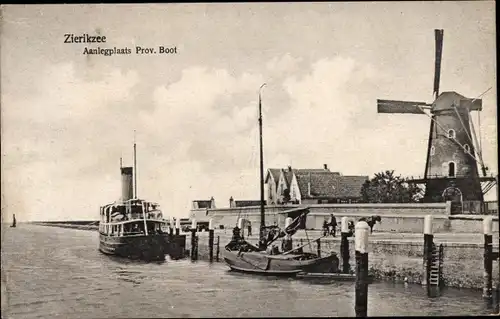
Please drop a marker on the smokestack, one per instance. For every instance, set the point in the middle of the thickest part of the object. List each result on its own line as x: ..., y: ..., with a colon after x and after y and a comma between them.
x: 309, y: 185
x: 326, y: 166
x: 127, y: 183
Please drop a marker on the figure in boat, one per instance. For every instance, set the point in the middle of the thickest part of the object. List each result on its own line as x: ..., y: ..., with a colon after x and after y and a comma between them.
x: 267, y: 259
x: 13, y: 220
x: 278, y: 259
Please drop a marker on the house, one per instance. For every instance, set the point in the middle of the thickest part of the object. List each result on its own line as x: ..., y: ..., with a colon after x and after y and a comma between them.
x: 278, y: 183
x: 200, y: 204
x: 271, y: 182
x: 325, y: 187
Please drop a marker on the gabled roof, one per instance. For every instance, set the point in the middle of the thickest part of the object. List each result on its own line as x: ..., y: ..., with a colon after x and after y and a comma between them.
x: 275, y: 173
x: 329, y: 185
x: 288, y: 174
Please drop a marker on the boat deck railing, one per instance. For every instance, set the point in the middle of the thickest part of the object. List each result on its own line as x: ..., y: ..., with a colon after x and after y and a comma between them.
x: 135, y: 220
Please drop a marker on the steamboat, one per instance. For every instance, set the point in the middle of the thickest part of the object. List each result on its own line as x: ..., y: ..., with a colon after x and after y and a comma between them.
x: 135, y: 228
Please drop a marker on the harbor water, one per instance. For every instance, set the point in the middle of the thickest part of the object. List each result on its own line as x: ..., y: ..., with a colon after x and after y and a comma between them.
x: 51, y: 272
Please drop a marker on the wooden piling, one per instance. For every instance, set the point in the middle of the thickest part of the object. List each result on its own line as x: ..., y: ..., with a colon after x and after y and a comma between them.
x: 344, y: 245
x: 171, y: 227
x: 196, y: 241
x: 288, y: 243
x: 240, y: 226
x: 488, y: 260
x: 362, y: 231
x: 428, y: 242
x: 217, y: 249
x: 177, y: 226
x: 193, y: 240
x: 211, y: 240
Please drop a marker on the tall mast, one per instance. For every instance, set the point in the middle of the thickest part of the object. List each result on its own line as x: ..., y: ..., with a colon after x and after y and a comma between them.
x: 262, y: 211
x: 135, y: 168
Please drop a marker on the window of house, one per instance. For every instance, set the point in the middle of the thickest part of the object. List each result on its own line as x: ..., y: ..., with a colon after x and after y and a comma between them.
x: 451, y: 133
x: 433, y: 150
x: 451, y: 169
x: 467, y: 148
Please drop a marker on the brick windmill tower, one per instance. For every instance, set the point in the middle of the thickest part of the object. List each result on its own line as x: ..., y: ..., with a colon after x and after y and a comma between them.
x: 453, y: 153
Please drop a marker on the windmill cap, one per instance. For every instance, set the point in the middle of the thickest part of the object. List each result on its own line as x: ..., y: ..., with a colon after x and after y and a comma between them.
x: 447, y: 100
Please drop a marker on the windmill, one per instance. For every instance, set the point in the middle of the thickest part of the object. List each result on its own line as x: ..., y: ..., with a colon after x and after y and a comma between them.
x: 453, y: 151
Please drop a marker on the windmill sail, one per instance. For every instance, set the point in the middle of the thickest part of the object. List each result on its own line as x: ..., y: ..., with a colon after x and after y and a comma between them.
x: 439, y: 54
x: 408, y: 107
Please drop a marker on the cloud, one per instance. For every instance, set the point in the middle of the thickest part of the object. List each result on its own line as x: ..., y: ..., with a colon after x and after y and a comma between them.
x: 199, y: 138
x: 332, y: 119
x: 52, y: 136
x: 285, y: 64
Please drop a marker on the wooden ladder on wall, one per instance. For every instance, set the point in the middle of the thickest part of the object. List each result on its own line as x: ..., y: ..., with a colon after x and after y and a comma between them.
x: 435, y: 276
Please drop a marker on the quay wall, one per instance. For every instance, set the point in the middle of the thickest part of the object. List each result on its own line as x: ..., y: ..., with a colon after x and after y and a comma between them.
x: 400, y: 218
x: 392, y: 260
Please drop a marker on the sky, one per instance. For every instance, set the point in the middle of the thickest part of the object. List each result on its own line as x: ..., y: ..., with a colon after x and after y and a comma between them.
x: 67, y: 117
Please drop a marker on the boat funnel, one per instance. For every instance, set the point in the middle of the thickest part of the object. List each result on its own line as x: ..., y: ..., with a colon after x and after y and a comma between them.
x: 127, y: 183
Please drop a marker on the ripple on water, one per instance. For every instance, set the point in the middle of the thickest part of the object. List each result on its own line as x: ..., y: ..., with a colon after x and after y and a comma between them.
x: 51, y: 272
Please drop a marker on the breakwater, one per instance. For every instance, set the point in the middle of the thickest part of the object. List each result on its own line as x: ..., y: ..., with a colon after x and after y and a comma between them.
x: 76, y: 224
x: 397, y: 260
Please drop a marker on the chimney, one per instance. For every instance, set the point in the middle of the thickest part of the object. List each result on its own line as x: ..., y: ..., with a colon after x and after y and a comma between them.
x: 325, y: 166
x: 212, y: 202
x: 127, y: 183
x: 309, y: 185
x: 231, y: 202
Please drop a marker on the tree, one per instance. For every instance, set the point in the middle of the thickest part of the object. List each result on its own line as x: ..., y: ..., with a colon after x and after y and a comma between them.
x: 386, y: 187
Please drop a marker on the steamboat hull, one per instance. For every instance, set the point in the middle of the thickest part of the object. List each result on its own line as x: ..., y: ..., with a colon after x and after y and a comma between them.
x: 279, y: 265
x: 143, y: 247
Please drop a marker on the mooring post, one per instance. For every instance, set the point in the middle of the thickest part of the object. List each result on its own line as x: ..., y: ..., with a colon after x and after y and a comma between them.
x: 211, y: 240
x: 171, y: 227
x: 361, y: 245
x: 217, y: 249
x: 488, y: 260
x: 177, y: 226
x: 193, y: 239
x: 344, y: 245
x: 288, y: 243
x: 241, y: 224
x: 428, y: 242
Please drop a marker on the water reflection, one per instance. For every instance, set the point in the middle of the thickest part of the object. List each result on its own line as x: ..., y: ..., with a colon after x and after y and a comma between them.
x: 60, y: 271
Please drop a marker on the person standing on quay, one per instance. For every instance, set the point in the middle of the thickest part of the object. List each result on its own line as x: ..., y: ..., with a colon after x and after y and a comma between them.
x: 325, y: 228
x: 333, y: 224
